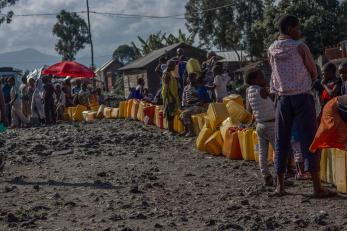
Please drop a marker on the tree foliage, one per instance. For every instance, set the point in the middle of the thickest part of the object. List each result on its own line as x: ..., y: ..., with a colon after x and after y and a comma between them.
x: 227, y: 27
x: 252, y: 24
x: 72, y: 33
x: 127, y: 53
x: 6, y: 17
x: 323, y: 22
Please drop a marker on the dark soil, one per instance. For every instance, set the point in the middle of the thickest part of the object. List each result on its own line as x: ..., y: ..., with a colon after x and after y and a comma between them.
x: 123, y: 175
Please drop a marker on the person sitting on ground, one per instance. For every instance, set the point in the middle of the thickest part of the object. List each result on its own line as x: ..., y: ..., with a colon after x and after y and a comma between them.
x: 343, y: 76
x: 220, y: 83
x: 84, y: 95
x: 48, y: 100
x: 60, y: 102
x: 138, y: 94
x: 293, y: 71
x: 259, y: 102
x: 18, y: 118
x: 331, y: 84
x: 170, y: 95
x: 191, y: 103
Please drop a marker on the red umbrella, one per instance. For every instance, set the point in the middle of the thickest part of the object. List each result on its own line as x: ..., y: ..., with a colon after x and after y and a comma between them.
x: 69, y: 68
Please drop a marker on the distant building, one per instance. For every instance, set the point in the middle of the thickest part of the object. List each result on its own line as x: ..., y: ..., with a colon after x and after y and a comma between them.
x: 337, y: 52
x: 107, y: 72
x: 144, y: 67
x: 233, y: 60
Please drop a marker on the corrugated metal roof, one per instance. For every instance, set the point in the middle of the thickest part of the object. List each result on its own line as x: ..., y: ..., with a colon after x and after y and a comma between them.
x: 144, y: 61
x: 231, y: 56
x: 105, y: 65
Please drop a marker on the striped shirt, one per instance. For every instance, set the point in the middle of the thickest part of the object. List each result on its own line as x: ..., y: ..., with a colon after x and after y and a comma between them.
x: 190, y: 96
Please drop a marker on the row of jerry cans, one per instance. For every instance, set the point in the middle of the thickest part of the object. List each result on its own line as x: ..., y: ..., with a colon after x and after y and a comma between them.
x: 333, y: 168
x: 235, y: 144
x: 148, y: 113
x: 76, y: 113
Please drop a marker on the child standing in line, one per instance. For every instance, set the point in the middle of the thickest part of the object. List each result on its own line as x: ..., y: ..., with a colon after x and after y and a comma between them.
x: 343, y: 76
x: 331, y: 84
x: 293, y: 70
x: 263, y: 108
x: 170, y: 94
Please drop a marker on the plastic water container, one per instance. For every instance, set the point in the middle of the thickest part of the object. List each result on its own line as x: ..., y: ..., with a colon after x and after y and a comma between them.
x: 217, y: 113
x: 2, y: 127
x: 214, y: 144
x: 234, y: 97
x: 205, y: 133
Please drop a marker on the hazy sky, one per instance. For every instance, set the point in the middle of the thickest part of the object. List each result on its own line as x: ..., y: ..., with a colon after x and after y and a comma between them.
x: 108, y: 32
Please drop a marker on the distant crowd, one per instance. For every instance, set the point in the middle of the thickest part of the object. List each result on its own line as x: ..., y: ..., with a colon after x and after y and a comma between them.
x: 42, y: 101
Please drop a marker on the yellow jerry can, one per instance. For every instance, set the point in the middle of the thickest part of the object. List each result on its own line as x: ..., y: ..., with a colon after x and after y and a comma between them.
x: 214, y: 144
x: 108, y: 112
x: 341, y: 170
x: 178, y: 125
x: 238, y: 113
x: 204, y: 134
x: 217, y: 113
x: 246, y: 144
x: 228, y: 123
x: 91, y: 116
x: 100, y: 113
x: 129, y: 108
x: 115, y: 113
x: 122, y: 108
x: 331, y: 166
x: 77, y: 115
x: 234, y: 97
x: 140, y: 112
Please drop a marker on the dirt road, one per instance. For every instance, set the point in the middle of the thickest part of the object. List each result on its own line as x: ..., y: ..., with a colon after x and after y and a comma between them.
x: 122, y: 175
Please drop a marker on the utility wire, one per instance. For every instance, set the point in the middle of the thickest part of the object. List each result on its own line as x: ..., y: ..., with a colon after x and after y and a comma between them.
x: 125, y: 15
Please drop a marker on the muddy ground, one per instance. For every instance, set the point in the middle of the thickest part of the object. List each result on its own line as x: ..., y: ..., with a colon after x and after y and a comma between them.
x: 122, y: 175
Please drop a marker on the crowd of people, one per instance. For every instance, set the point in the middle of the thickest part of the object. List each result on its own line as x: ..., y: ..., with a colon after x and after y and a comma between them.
x: 188, y: 91
x: 42, y: 101
x: 285, y: 112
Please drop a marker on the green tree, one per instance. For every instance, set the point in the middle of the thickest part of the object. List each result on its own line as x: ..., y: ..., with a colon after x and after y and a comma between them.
x: 125, y: 54
x: 224, y: 27
x: 159, y: 40
x: 6, y: 17
x: 72, y: 32
x: 323, y: 22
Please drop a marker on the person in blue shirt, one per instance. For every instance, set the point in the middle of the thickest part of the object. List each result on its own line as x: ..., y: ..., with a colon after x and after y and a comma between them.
x: 203, y: 91
x: 139, y: 90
